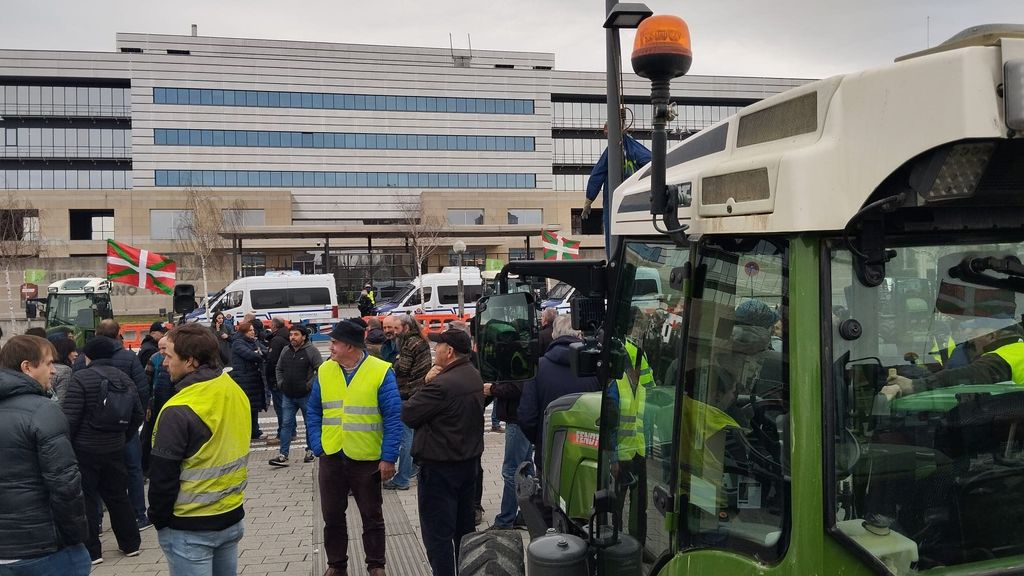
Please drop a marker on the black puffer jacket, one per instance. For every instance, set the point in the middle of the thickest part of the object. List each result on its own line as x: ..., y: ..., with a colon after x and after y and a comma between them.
x: 126, y: 361
x: 247, y: 369
x: 277, y: 342
x: 42, y: 508
x: 80, y: 402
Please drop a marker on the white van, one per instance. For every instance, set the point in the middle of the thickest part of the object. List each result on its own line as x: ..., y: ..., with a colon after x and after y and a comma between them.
x: 294, y: 298
x: 440, y: 294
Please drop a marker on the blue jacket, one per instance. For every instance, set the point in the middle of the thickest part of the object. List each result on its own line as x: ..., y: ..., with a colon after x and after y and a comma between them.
x: 636, y: 157
x: 389, y: 402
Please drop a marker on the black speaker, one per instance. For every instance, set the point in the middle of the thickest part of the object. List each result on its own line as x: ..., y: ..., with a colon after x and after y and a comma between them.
x: 184, y: 298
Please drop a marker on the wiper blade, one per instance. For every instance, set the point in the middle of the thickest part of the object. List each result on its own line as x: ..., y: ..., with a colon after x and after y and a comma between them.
x: 1008, y: 265
x: 974, y: 269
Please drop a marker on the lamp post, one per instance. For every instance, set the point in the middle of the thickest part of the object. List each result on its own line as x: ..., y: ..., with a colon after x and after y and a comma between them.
x: 618, y: 15
x: 460, y: 248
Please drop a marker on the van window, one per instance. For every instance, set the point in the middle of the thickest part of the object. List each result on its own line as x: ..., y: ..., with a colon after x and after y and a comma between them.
x: 231, y: 300
x: 309, y: 297
x: 450, y: 294
x: 414, y: 298
x: 269, y: 298
x: 645, y: 286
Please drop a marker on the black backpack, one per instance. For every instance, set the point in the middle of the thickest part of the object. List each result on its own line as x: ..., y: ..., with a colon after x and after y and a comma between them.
x: 114, y: 406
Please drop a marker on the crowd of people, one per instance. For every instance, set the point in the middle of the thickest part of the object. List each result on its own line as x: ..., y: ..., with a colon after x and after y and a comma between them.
x: 382, y: 410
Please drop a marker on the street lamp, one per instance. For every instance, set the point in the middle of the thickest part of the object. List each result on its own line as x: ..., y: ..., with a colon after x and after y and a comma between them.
x: 618, y: 15
x: 460, y: 248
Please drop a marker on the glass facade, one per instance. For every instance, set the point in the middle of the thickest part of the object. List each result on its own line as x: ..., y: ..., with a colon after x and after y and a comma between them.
x: 296, y: 179
x: 525, y: 216
x: 38, y: 142
x: 690, y: 117
x: 65, y: 179
x: 168, y: 224
x: 65, y: 101
x: 575, y: 182
x: 465, y: 216
x: 327, y: 101
x: 273, y: 139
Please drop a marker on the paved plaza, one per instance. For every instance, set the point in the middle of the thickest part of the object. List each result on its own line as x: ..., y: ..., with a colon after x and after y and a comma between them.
x: 280, y: 515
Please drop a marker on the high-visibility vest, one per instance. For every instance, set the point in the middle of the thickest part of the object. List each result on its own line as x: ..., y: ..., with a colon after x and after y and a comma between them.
x: 213, y: 479
x: 631, y: 407
x: 352, y: 422
x: 940, y: 353
x: 1013, y: 354
x: 373, y: 300
x: 701, y: 422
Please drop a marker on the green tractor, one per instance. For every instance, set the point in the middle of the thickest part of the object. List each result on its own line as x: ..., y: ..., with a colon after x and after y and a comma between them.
x: 830, y: 379
x: 78, y: 304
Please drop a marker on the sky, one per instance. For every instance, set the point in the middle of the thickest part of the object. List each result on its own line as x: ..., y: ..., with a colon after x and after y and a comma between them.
x: 780, y: 38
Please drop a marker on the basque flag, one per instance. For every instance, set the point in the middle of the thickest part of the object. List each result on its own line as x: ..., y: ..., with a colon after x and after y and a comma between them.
x: 142, y: 268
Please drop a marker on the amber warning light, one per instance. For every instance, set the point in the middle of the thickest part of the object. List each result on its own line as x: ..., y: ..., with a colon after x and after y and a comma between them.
x: 661, y: 48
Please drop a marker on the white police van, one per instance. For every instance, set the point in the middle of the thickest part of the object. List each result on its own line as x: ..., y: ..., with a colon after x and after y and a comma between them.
x: 440, y: 293
x: 295, y: 298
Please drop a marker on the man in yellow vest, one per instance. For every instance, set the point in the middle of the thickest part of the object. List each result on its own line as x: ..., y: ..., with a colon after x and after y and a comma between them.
x: 1000, y: 358
x: 629, y: 466
x: 354, y: 426
x: 197, y: 471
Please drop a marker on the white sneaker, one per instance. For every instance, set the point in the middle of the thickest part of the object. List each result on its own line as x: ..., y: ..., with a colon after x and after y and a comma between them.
x: 97, y: 561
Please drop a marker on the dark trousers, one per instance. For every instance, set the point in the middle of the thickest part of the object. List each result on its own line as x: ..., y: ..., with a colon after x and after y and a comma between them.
x: 338, y: 476
x: 104, y: 477
x: 445, y: 495
x: 256, y: 432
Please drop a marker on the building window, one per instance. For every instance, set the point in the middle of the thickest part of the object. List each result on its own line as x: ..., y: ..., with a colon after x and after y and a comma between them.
x: 19, y: 225
x: 91, y: 224
x: 243, y: 218
x: 519, y: 254
x: 65, y: 179
x: 254, y: 264
x: 339, y: 140
x: 471, y: 257
x: 465, y: 216
x: 594, y: 224
x: 295, y: 179
x: 525, y: 216
x: 168, y: 224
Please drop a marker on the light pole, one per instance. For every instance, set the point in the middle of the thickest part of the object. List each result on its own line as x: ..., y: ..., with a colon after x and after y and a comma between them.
x: 618, y: 15
x: 460, y: 248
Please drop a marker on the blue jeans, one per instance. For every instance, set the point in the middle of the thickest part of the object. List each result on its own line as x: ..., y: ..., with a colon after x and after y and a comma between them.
x: 70, y: 561
x: 405, y: 466
x: 517, y: 450
x: 136, y: 484
x: 290, y: 408
x: 201, y: 553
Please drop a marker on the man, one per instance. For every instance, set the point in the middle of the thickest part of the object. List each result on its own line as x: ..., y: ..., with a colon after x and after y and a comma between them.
x: 411, y: 366
x: 517, y: 447
x: 448, y: 416
x: 148, y: 349
x: 149, y: 343
x: 198, y: 463
x: 998, y: 357
x: 126, y: 361
x: 354, y: 426
x: 365, y: 303
x: 375, y: 337
x: 296, y: 367
x: 544, y: 338
x: 103, y: 412
x: 392, y: 328
x: 42, y: 520
x: 277, y: 340
x: 635, y: 156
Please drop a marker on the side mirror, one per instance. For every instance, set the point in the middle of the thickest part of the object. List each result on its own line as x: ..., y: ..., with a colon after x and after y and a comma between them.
x: 506, y: 333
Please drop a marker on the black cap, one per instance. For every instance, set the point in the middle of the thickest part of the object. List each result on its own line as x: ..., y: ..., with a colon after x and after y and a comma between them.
x: 457, y: 339
x: 349, y: 332
x: 99, y: 348
x: 158, y: 327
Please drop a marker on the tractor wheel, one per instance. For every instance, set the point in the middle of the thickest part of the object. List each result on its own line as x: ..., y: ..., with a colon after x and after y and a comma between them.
x: 492, y: 553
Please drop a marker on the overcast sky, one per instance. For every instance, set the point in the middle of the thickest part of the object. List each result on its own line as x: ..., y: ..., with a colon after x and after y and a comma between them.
x: 786, y: 38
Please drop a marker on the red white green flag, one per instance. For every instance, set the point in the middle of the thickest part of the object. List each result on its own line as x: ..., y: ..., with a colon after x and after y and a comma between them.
x: 559, y: 247
x: 138, y: 267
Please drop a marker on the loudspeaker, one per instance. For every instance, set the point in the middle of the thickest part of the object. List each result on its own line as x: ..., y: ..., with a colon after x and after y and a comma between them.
x: 184, y: 298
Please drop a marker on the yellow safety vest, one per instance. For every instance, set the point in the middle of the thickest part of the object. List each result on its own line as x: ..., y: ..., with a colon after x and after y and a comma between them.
x: 373, y: 300
x: 700, y: 423
x: 213, y: 479
x: 942, y: 355
x: 631, y: 407
x: 352, y: 422
x: 1014, y: 356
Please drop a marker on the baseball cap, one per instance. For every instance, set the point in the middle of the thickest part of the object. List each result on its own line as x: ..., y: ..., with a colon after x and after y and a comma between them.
x: 158, y: 327
x: 458, y: 339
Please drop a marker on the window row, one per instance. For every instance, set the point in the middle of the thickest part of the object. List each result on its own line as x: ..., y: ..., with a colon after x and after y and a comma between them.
x: 65, y: 101
x: 689, y: 117
x: 575, y: 182
x: 174, y: 224
x: 66, y: 143
x: 270, y: 139
x: 475, y: 216
x: 65, y: 179
x: 295, y: 179
x: 320, y: 100
x: 585, y: 150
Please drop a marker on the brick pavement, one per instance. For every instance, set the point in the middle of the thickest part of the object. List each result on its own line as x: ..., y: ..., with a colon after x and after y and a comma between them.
x: 279, y: 516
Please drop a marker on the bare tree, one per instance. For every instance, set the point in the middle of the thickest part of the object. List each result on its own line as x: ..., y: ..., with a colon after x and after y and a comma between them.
x: 19, y: 240
x: 422, y: 231
x: 198, y: 231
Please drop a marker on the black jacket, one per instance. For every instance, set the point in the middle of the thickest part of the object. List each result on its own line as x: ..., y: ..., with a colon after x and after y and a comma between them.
x: 42, y: 508
x: 247, y: 370
x: 147, y: 349
x: 296, y: 369
x: 276, y: 342
x: 506, y: 400
x: 126, y: 361
x: 554, y: 379
x: 447, y: 414
x: 80, y: 402
x: 544, y: 338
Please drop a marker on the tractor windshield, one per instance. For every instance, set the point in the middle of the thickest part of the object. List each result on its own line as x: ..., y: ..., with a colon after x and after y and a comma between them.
x: 926, y: 393
x: 74, y: 310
